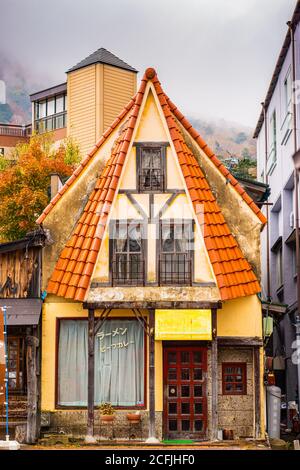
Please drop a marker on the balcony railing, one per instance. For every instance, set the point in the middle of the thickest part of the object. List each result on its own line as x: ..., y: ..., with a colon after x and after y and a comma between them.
x: 13, y: 130
x: 128, y: 271
x: 50, y: 123
x: 151, y: 179
x: 175, y: 269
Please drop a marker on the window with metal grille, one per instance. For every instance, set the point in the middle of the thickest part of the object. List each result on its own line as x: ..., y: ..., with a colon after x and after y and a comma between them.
x: 176, y: 248
x: 150, y: 168
x: 234, y: 378
x: 128, y: 264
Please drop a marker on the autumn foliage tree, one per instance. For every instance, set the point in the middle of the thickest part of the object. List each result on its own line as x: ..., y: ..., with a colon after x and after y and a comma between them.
x: 24, y: 184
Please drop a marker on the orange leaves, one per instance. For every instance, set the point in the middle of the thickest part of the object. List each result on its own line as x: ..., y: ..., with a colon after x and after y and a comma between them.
x: 24, y: 185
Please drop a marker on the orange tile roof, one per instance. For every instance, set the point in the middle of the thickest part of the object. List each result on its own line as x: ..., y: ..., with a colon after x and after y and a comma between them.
x: 72, y: 274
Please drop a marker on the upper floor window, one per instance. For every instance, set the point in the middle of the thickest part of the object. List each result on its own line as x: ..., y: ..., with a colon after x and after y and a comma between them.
x: 128, y: 264
x: 288, y: 91
x: 151, y: 168
x: 176, y: 248
x: 50, y: 113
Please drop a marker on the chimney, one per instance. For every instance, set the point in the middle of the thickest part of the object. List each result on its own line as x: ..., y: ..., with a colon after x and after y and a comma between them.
x: 55, y: 184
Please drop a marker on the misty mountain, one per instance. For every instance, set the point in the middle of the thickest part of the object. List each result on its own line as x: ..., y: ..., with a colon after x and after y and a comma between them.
x: 226, y: 139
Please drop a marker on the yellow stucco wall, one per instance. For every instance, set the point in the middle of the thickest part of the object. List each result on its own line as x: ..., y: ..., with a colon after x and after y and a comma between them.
x: 240, y: 317
x: 54, y: 309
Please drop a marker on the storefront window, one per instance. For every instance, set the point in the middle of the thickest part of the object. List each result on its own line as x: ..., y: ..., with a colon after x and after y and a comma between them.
x: 119, y: 363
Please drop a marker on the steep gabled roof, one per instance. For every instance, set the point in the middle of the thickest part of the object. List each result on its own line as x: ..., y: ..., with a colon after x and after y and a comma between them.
x: 73, y: 272
x: 102, y: 56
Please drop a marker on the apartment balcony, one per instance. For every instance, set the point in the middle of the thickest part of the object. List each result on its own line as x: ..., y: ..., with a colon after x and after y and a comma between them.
x: 13, y: 130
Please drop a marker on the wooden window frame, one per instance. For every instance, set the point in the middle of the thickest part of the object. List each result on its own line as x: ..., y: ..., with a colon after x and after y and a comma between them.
x: 142, y: 146
x: 243, y: 366
x: 190, y: 252
x: 65, y: 407
x: 112, y: 243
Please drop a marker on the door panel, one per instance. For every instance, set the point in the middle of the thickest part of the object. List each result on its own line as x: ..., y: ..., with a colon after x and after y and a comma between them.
x: 185, y: 400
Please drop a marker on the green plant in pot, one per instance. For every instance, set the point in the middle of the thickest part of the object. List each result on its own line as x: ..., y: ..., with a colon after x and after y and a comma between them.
x: 106, y: 412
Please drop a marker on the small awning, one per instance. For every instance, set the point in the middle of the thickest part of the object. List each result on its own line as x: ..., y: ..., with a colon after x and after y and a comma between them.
x: 22, y: 311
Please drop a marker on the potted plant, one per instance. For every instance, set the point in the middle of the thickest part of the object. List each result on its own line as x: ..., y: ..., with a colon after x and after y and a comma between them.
x: 134, y: 417
x: 106, y: 412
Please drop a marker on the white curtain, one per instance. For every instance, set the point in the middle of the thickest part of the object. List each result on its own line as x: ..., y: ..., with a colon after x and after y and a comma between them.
x: 72, y: 363
x: 119, y: 363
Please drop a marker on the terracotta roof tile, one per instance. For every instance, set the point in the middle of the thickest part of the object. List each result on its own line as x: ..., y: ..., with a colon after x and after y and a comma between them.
x: 72, y: 275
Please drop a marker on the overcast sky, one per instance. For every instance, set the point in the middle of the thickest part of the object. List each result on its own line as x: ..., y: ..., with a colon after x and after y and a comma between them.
x: 214, y: 58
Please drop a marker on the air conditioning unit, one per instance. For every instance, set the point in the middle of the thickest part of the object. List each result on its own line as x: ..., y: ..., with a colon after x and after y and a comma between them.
x: 292, y: 220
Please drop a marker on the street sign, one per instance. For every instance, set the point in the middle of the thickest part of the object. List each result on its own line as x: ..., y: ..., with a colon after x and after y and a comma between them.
x: 2, y: 360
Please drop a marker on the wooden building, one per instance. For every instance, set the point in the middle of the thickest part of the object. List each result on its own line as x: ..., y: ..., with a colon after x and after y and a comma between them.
x: 20, y: 293
x: 152, y: 278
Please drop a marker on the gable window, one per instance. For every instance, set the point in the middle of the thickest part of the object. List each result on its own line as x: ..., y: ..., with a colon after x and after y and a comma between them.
x: 119, y: 363
x: 128, y: 264
x: 151, y: 168
x: 175, y: 262
x: 234, y: 378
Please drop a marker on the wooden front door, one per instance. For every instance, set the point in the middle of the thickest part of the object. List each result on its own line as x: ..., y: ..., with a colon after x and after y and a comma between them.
x: 185, y: 400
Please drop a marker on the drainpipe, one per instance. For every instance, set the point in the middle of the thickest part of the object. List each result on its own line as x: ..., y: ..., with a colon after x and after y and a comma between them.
x: 267, y: 207
x: 296, y: 187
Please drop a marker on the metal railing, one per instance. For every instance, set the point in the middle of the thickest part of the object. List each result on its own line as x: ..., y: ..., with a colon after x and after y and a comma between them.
x: 128, y: 271
x: 175, y: 269
x: 151, y: 179
x: 13, y: 130
x: 50, y: 123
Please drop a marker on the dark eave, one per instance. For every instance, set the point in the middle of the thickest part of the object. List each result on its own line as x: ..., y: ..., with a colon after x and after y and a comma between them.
x: 49, y: 92
x: 257, y: 190
x: 34, y: 239
x: 283, y: 53
x: 102, y: 56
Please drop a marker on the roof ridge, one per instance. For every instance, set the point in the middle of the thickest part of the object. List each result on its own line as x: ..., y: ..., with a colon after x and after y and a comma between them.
x: 102, y: 55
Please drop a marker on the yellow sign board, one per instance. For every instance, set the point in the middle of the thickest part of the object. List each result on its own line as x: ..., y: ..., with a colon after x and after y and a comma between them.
x: 183, y: 325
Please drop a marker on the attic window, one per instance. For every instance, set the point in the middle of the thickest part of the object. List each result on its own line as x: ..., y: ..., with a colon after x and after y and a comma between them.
x: 151, y: 168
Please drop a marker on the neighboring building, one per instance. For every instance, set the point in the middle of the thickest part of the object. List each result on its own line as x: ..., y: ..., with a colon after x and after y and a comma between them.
x: 10, y: 136
x: 276, y: 144
x: 96, y: 90
x: 152, y: 272
x: 20, y: 292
